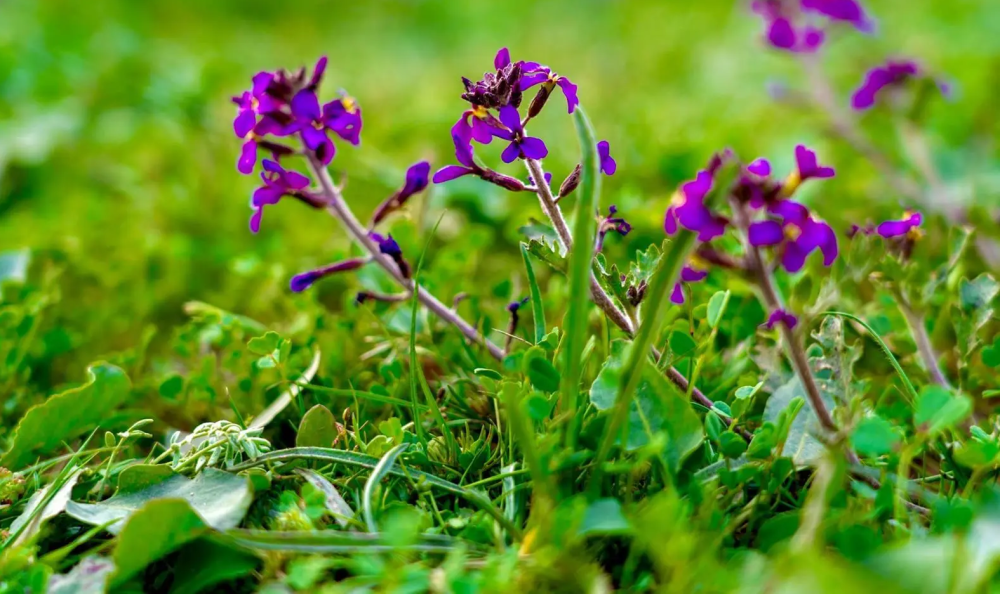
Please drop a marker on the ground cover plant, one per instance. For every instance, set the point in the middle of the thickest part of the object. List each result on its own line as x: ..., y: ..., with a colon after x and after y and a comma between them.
x: 550, y: 354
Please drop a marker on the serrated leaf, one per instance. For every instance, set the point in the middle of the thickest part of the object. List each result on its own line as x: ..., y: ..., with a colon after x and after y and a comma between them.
x: 67, y: 415
x: 548, y: 254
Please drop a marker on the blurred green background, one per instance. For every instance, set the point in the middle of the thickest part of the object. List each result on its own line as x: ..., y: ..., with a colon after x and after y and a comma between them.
x: 117, y: 158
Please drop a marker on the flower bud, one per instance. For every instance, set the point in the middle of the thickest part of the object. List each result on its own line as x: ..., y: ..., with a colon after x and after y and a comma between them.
x: 570, y: 183
x: 504, y: 181
x: 540, y: 98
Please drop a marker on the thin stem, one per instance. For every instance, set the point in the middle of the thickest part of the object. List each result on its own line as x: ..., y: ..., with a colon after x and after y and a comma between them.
x: 552, y: 210
x: 601, y: 298
x: 919, y: 331
x: 339, y: 208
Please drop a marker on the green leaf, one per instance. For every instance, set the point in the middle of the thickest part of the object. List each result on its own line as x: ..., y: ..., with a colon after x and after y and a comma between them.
x: 207, y: 562
x: 548, y: 254
x: 490, y: 373
x: 264, y: 345
x: 938, y: 409
x: 747, y: 392
x: 67, y: 415
x: 716, y: 307
x: 381, y: 469
x: 604, y: 518
x: 537, y: 311
x: 317, y: 428
x: 581, y: 257
x: 44, y: 504
x: 977, y: 295
x: 158, y: 528
x: 800, y: 445
x: 681, y: 344
x: 332, y: 498
x: 221, y: 499
x: 732, y: 445
x: 874, y: 436
x: 680, y: 424
x: 542, y: 374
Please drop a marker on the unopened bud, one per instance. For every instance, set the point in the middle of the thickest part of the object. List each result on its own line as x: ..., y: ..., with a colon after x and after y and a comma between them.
x: 540, y: 98
x: 570, y: 183
x: 504, y: 181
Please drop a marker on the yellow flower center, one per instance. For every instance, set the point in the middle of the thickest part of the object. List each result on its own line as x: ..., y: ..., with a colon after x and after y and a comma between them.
x: 792, y: 183
x: 350, y: 105
x: 480, y: 112
x: 678, y: 200
x: 698, y: 263
x: 914, y: 234
x: 792, y: 231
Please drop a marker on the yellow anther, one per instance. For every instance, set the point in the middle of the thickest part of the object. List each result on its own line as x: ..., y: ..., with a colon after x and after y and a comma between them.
x: 792, y: 183
x: 350, y: 105
x: 792, y: 231
x: 698, y: 263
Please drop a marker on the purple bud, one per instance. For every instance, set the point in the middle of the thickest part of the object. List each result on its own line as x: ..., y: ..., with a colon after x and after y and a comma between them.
x: 780, y: 316
x: 608, y: 164
x: 301, y: 282
x: 570, y: 183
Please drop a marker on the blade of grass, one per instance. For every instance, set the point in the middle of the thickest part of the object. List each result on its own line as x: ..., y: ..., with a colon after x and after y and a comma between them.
x: 580, y: 259
x: 378, y: 473
x: 537, y: 312
x: 334, y: 541
x: 330, y: 455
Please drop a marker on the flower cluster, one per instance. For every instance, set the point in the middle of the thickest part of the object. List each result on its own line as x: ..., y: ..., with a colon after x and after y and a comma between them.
x: 798, y: 25
x: 282, y: 105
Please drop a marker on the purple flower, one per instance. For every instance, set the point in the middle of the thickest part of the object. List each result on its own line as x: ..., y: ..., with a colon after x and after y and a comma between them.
x: 277, y: 183
x: 879, y: 78
x: 782, y: 32
x: 847, y: 11
x: 907, y: 226
x: 806, y: 167
x: 688, y: 275
x: 417, y: 177
x: 608, y: 164
x: 780, y: 316
x: 463, y: 154
x: 497, y: 89
x: 388, y: 246
x: 797, y: 234
x: 482, y: 129
x: 310, y: 125
x: 514, y: 306
x: 521, y: 146
x: 301, y: 282
x: 611, y: 223
x: 251, y: 105
x: 534, y: 73
x: 761, y: 167
x: 687, y: 209
x: 343, y: 117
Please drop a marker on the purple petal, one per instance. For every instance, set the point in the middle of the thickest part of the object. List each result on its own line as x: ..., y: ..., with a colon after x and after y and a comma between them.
x: 502, y: 59
x: 533, y: 148
x: 305, y: 105
x: 569, y: 91
x: 481, y: 131
x: 255, y: 219
x: 760, y: 167
x: 812, y: 40
x: 780, y: 316
x: 608, y: 164
x: 692, y: 275
x: 677, y: 295
x: 313, y: 137
x: 260, y: 82
x: 318, y: 71
x: 530, y: 79
x: 698, y: 188
x: 766, y: 233
x: 266, y: 195
x: 789, y: 210
x: 511, y: 153
x: 301, y: 282
x: 825, y: 239
x: 295, y: 180
x: 416, y: 178
x: 510, y: 118
x: 805, y: 160
x: 670, y: 221
x: 450, y: 172
x: 848, y: 11
x: 248, y: 157
x: 781, y: 34
x: 794, y: 258
x: 244, y: 123
x: 273, y: 167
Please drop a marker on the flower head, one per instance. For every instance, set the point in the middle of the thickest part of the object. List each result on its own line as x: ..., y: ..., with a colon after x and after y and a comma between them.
x: 796, y: 233
x: 791, y: 25
x: 845, y: 11
x: 908, y: 226
x: 536, y: 74
x: 278, y: 182
x: 417, y: 178
x: 608, y: 164
x: 483, y: 126
x: 780, y: 316
x: 877, y: 79
x: 521, y: 146
x: 343, y: 117
x: 310, y: 125
x: 611, y: 223
x: 689, y: 274
x: 496, y: 89
x: 806, y: 167
x: 687, y: 209
x: 388, y: 246
x: 514, y: 306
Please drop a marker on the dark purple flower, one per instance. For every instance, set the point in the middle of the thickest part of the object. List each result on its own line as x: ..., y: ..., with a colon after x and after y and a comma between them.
x: 496, y: 89
x: 687, y: 209
x: 806, y: 167
x: 463, y: 154
x: 797, y: 234
x: 608, y: 164
x: 514, y: 306
x: 251, y: 105
x: 301, y: 282
x: 521, y: 146
x: 780, y: 316
x: 847, y: 11
x: 688, y: 275
x: 483, y: 127
x: 343, y: 117
x: 781, y: 30
x: 611, y: 223
x: 417, y: 177
x: 760, y: 167
x: 907, y: 226
x: 277, y: 183
x: 881, y: 77
x: 388, y: 246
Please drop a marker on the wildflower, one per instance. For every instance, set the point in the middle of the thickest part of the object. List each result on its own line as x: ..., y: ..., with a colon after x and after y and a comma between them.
x: 521, y: 146
x: 535, y: 74
x: 611, y: 223
x: 278, y: 182
x: 689, y: 274
x: 483, y: 127
x: 908, y: 226
x: 806, y: 167
x: 416, y: 181
x: 251, y: 105
x: 343, y: 117
x: 780, y: 316
x: 687, y: 209
x: 464, y: 155
x: 798, y: 234
x: 301, y: 282
x: 608, y: 164
x: 310, y: 124
x: 846, y: 11
x: 388, y: 246
x: 760, y: 167
x: 781, y: 31
x: 880, y: 78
